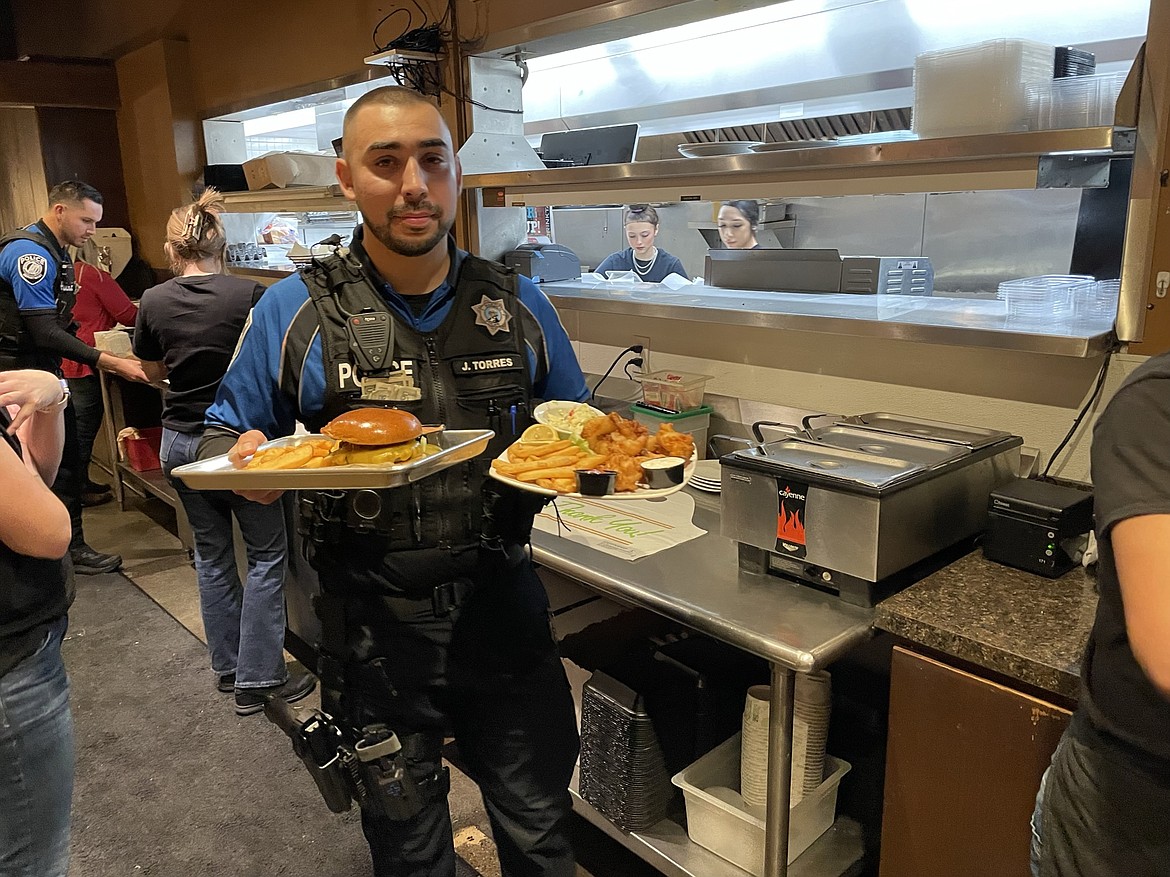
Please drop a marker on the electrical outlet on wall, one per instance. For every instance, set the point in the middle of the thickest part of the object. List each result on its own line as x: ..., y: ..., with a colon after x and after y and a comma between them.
x: 644, y: 340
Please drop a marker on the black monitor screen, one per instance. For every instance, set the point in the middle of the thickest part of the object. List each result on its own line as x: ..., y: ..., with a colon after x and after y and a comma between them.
x: 612, y: 145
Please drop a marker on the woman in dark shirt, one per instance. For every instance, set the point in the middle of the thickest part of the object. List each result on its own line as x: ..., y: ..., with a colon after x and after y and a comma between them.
x: 187, y: 330
x: 650, y: 263
x: 36, y: 588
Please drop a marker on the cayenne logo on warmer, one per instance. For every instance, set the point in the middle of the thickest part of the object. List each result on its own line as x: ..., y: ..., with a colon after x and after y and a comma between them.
x: 790, y: 532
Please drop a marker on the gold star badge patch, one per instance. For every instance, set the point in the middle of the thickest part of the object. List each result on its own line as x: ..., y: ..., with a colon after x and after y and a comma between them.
x: 492, y: 315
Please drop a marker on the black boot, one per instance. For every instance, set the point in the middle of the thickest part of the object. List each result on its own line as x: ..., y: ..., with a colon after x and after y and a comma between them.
x: 88, y: 562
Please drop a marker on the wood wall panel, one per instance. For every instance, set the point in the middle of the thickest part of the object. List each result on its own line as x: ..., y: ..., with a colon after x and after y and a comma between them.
x: 81, y: 144
x: 58, y: 84
x: 23, y: 188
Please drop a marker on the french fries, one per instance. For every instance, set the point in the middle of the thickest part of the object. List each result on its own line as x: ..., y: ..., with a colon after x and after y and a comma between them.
x: 309, y: 454
x: 612, y: 442
x: 547, y: 462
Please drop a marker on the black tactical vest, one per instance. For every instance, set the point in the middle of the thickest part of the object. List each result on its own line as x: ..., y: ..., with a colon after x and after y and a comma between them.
x: 471, y: 372
x: 16, y: 347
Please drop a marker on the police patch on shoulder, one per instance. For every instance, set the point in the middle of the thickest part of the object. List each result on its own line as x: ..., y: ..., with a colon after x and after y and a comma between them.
x: 32, y: 267
x: 492, y: 315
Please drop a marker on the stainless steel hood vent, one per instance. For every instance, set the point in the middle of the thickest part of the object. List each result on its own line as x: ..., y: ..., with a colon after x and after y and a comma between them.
x: 788, y: 62
x: 822, y: 128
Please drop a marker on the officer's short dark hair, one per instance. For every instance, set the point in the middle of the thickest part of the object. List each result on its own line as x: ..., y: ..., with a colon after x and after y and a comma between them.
x: 386, y: 96
x: 73, y: 192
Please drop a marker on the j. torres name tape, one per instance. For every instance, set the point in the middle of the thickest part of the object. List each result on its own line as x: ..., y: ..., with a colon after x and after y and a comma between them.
x: 471, y: 365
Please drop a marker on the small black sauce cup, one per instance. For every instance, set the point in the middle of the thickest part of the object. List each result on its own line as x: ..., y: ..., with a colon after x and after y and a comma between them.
x: 663, y: 472
x: 595, y: 482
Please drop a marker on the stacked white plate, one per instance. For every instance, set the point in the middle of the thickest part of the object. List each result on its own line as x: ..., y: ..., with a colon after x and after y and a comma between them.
x: 706, y: 476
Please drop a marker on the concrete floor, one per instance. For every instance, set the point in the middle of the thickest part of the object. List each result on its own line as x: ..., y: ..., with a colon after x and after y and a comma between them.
x: 156, y: 562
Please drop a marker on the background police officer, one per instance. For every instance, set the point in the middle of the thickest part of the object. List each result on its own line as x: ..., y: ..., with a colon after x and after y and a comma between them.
x: 37, y: 291
x: 433, y: 620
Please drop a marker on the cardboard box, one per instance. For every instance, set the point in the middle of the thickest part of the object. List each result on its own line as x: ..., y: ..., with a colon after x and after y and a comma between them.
x: 115, y: 341
x: 282, y: 169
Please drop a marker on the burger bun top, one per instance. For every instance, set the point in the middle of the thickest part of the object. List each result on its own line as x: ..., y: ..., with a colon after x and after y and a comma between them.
x: 374, y: 426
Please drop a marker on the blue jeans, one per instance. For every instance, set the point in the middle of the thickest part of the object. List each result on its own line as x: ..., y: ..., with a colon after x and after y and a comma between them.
x: 244, y: 623
x: 36, y: 763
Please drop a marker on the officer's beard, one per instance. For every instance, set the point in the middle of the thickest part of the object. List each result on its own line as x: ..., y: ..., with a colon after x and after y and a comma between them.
x: 410, y: 246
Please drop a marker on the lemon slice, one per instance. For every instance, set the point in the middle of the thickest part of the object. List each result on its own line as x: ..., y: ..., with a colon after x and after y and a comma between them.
x: 539, y: 432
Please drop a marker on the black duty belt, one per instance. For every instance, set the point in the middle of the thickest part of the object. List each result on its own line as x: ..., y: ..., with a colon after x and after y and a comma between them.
x: 396, y: 517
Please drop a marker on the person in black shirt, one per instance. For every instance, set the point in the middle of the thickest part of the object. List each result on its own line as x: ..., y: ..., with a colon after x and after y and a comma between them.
x: 187, y: 329
x: 37, y: 292
x: 36, y: 589
x: 1104, y: 804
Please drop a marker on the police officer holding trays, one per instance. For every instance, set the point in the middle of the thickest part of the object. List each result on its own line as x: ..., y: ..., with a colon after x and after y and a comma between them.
x: 37, y: 291
x: 433, y: 620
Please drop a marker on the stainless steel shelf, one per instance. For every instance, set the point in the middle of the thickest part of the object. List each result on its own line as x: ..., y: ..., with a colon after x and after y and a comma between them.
x: 935, y: 320
x: 977, y: 162
x: 296, y: 199
x: 837, y: 853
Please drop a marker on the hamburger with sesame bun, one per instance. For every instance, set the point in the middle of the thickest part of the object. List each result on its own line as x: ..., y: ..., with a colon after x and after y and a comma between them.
x: 377, y: 435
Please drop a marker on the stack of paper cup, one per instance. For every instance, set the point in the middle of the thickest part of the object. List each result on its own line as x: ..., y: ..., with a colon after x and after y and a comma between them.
x: 810, y: 732
x: 753, y: 753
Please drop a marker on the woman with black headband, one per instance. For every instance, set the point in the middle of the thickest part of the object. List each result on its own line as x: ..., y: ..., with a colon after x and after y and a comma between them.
x: 650, y: 263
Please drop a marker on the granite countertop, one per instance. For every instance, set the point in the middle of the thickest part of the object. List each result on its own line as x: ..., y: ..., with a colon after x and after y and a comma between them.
x: 1021, y: 625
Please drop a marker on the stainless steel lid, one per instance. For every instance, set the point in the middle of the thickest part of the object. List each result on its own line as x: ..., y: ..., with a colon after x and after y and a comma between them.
x: 819, y: 462
x: 928, y: 452
x: 972, y: 437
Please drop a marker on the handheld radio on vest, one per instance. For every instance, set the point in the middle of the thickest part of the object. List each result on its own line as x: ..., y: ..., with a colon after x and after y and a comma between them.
x: 371, y: 338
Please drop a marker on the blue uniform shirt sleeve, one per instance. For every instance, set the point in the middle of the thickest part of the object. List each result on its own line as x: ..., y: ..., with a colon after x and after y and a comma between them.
x: 249, y: 397
x: 32, y: 273
x: 563, y: 379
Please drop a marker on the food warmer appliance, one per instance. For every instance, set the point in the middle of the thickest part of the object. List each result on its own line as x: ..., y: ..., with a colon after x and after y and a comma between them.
x: 865, y: 506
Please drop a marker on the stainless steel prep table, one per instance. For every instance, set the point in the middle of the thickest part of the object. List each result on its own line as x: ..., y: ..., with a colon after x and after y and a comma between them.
x: 795, y: 628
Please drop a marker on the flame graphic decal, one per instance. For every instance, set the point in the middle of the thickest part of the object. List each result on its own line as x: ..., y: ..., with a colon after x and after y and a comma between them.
x: 789, y: 526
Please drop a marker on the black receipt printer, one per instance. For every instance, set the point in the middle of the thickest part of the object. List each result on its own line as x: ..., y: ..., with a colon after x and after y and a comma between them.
x: 1038, y: 526
x: 544, y: 263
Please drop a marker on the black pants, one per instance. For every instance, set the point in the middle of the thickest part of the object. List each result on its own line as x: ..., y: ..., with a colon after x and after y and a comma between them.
x: 1099, y: 812
x: 70, y: 477
x: 490, y: 674
x: 87, y: 401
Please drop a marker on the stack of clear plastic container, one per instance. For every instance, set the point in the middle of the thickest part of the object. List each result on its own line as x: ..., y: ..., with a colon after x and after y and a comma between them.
x: 1046, y: 298
x: 978, y: 89
x: 1098, y: 303
x: 1075, y: 101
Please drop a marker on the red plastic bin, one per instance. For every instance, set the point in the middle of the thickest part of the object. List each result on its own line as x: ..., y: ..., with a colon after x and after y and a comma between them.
x: 142, y: 453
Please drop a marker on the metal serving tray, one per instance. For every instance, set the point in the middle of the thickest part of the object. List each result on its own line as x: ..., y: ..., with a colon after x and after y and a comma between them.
x: 217, y: 473
x: 928, y: 452
x: 827, y: 464
x: 973, y: 437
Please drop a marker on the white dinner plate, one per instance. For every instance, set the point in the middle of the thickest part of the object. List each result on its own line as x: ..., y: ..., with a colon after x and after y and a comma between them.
x: 640, y: 493
x: 719, y: 147
x: 785, y: 145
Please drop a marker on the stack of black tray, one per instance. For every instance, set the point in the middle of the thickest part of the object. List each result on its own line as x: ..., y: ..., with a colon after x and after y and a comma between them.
x: 623, y: 770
